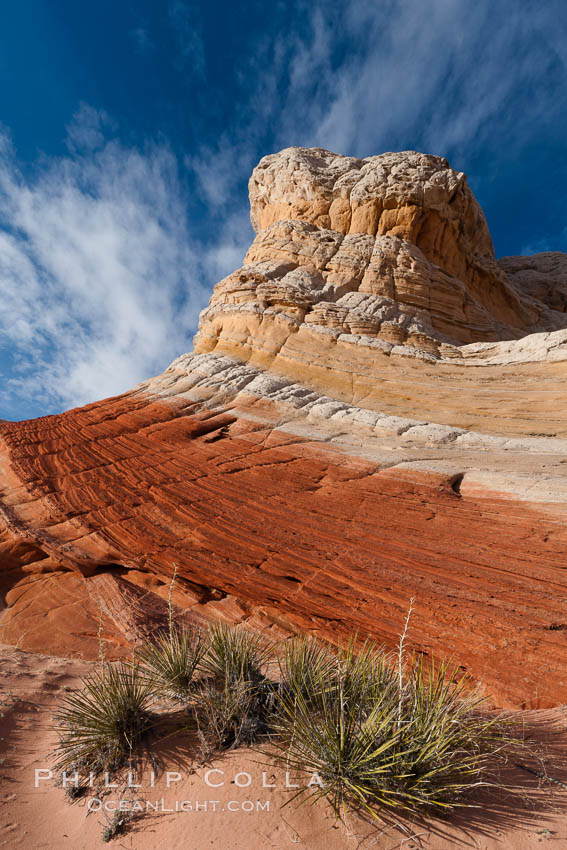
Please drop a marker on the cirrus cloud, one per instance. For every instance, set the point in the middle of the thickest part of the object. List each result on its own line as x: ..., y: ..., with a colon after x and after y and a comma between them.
x: 99, y: 283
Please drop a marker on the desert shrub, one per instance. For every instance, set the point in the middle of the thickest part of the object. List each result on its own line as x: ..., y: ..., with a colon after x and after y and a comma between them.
x: 232, y: 702
x: 117, y: 825
x: 235, y: 655
x: 73, y: 789
x: 171, y: 659
x: 231, y: 714
x: 380, y: 732
x: 448, y: 741
x: 378, y: 744
x: 305, y: 667
x: 101, y: 725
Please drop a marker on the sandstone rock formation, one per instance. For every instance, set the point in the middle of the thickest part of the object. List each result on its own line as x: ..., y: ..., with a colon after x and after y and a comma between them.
x: 375, y: 409
x: 394, y: 246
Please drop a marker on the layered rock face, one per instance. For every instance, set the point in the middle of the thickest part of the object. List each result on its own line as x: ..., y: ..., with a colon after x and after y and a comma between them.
x: 393, y: 247
x: 369, y: 275
x: 375, y: 410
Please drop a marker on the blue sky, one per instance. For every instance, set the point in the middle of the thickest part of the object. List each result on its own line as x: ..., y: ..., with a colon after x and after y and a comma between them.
x: 128, y: 132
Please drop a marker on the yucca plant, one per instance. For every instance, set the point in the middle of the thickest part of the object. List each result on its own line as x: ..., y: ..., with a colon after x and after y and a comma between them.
x: 235, y: 655
x: 171, y: 660
x: 374, y: 746
x: 448, y: 740
x: 232, y: 701
x: 102, y: 724
x: 366, y: 672
x: 342, y: 732
x: 306, y: 666
x: 230, y: 714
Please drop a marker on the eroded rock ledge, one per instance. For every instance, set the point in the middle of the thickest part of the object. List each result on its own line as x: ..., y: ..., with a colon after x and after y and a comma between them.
x: 393, y: 247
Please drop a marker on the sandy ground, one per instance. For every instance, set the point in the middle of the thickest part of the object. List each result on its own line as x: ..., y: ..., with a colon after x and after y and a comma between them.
x: 241, y: 814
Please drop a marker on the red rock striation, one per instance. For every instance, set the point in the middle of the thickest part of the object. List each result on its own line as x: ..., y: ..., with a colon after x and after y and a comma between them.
x: 331, y: 542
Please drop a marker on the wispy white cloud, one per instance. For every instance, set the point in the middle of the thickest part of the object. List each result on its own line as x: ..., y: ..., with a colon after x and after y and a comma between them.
x: 99, y: 283
x: 101, y: 277
x: 539, y: 246
x: 217, y: 169
x: 87, y: 129
x: 187, y: 25
x: 226, y: 251
x: 444, y: 76
x: 142, y: 40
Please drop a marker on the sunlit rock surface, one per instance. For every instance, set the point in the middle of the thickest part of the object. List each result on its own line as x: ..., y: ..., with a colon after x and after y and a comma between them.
x: 375, y: 410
